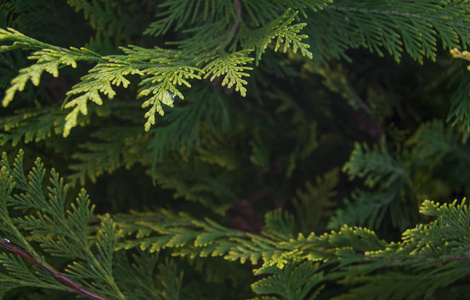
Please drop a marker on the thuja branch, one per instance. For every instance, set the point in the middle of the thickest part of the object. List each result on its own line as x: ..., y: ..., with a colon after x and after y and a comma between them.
x: 51, y: 270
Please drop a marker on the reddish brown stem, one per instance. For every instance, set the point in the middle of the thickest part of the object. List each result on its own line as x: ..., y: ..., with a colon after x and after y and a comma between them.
x: 238, y: 14
x: 51, y: 270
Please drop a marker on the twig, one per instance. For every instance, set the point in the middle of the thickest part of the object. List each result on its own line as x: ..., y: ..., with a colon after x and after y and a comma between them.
x: 238, y: 14
x: 4, y: 243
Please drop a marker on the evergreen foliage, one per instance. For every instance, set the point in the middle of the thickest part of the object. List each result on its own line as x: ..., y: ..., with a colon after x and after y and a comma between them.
x: 219, y: 141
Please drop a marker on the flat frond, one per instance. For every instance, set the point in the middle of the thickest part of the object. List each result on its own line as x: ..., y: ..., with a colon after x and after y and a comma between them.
x: 294, y: 280
x: 161, y: 84
x: 432, y: 140
x: 376, y: 165
x: 32, y: 126
x: 99, y: 80
x: 113, y: 148
x: 47, y: 60
x: 316, y: 202
x: 218, y: 150
x: 281, y: 31
x: 58, y: 231
x: 230, y: 66
x: 207, y: 189
x: 279, y: 222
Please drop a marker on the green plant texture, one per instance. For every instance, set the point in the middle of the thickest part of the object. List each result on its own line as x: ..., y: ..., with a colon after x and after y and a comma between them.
x: 234, y: 149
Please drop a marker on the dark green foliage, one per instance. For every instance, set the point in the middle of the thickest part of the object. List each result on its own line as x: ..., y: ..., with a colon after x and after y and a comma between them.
x: 219, y: 140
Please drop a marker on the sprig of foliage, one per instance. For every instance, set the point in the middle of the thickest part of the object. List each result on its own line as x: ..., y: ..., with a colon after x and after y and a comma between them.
x: 425, y: 260
x: 160, y: 76
x: 316, y: 202
x: 59, y: 232
x: 110, y: 152
x: 398, y: 180
x: 49, y: 59
x: 94, y: 271
x: 230, y: 66
x: 99, y: 80
x: 165, y: 91
x: 394, y: 26
x: 376, y: 165
x: 279, y: 30
x: 296, y: 280
x: 137, y: 276
x: 109, y: 70
x: 31, y: 126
